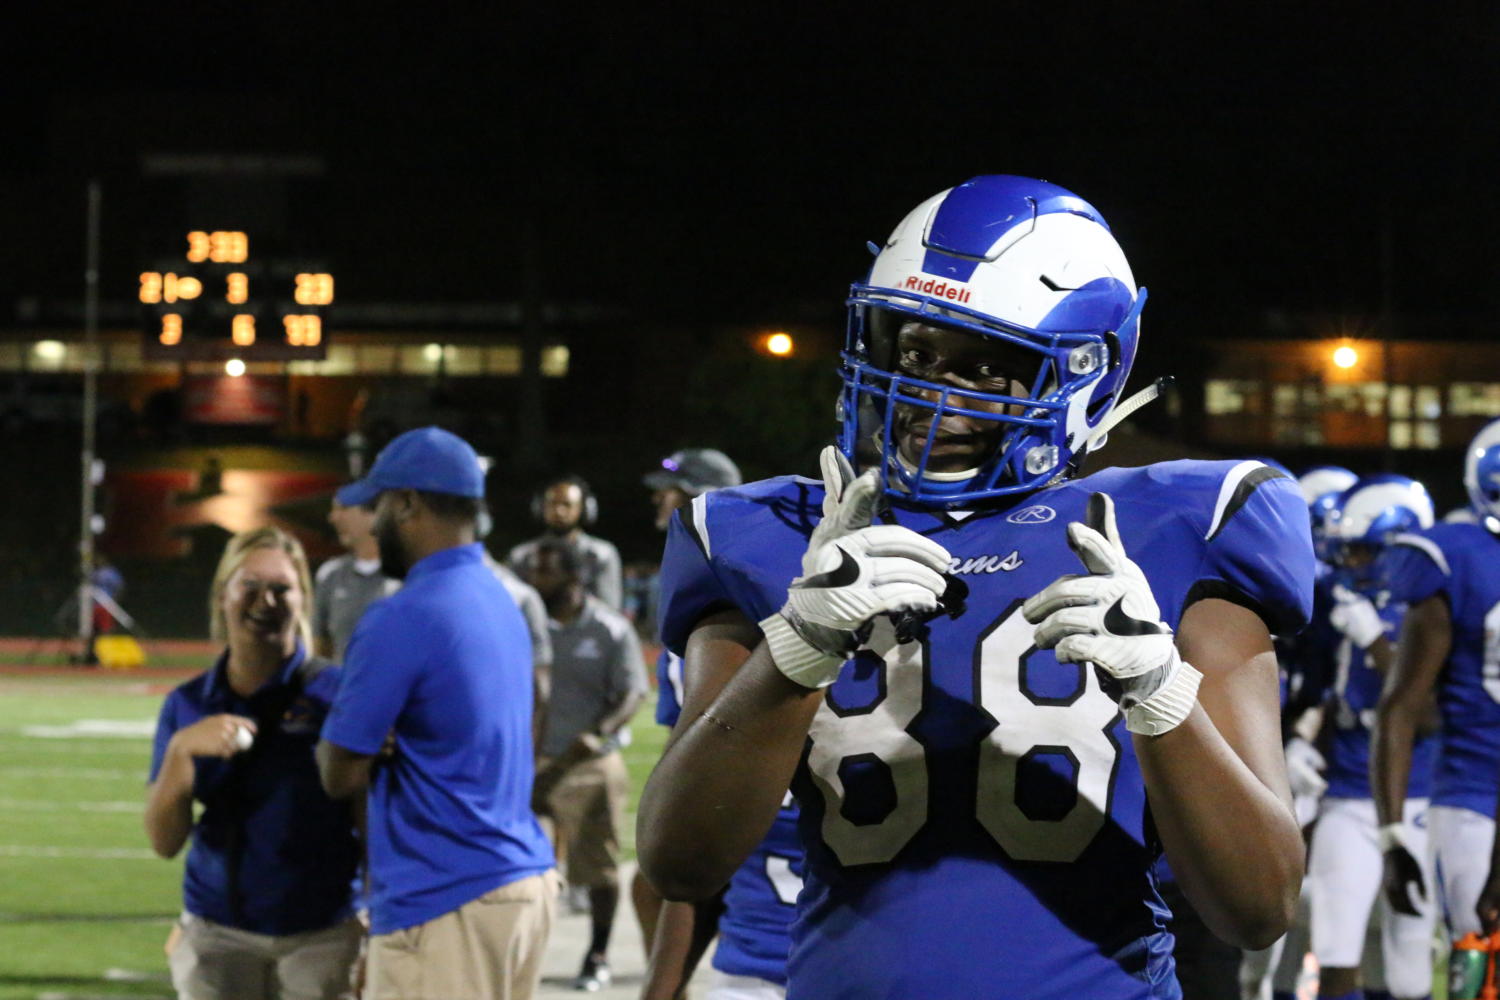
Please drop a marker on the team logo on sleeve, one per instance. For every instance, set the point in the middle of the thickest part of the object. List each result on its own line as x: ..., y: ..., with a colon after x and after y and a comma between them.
x: 1035, y: 514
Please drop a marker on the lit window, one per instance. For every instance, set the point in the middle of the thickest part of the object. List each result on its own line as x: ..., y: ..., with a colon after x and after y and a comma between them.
x: 1284, y: 400
x: 1474, y: 399
x: 1429, y: 403
x: 1400, y: 434
x: 1223, y: 396
x: 1427, y: 435
x: 503, y: 360
x: 1401, y: 402
x: 555, y: 361
x: 465, y: 361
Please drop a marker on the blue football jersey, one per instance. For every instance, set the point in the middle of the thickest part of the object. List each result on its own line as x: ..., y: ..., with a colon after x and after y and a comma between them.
x: 974, y: 818
x: 755, y: 929
x: 1461, y: 562
x: 1356, y: 692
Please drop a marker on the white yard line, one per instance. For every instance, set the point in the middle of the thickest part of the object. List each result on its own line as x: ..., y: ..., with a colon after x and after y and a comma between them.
x: 52, y: 805
x: 113, y: 774
x: 87, y: 853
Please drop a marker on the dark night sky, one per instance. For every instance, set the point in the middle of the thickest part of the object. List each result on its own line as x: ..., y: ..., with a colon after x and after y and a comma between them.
x: 733, y: 164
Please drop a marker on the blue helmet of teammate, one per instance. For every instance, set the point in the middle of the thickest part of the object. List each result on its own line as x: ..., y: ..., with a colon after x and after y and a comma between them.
x: 1482, y: 474
x: 1034, y: 271
x: 1321, y: 487
x: 1367, y: 516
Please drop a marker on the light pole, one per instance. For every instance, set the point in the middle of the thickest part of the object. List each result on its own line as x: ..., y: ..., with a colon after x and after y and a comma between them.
x: 90, y: 408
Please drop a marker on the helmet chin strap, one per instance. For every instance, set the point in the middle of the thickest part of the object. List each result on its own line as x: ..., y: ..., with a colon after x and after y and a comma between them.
x: 1123, y: 412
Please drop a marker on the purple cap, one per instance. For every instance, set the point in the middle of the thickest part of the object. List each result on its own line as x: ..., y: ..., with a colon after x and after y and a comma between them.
x: 428, y: 459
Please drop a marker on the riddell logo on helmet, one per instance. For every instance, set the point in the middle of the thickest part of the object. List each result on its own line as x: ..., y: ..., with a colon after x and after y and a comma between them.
x: 937, y: 289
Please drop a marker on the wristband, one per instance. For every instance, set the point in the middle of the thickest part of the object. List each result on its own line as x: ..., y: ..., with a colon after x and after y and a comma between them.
x: 1391, y: 835
x: 799, y: 660
x: 1169, y: 704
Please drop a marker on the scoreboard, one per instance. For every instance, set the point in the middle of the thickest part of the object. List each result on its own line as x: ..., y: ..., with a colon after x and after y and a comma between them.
x: 217, y: 298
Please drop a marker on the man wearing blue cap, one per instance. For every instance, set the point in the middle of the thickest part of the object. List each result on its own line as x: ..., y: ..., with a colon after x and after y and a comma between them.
x: 462, y: 889
x: 349, y: 583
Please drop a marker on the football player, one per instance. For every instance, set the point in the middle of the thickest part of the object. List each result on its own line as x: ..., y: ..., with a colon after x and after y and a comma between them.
x: 974, y: 668
x: 753, y: 916
x: 1449, y: 576
x: 1273, y: 973
x: 1344, y: 865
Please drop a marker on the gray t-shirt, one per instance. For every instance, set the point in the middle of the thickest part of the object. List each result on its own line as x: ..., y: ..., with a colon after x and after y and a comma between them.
x: 345, y: 587
x: 599, y: 563
x: 533, y: 609
x: 596, y: 664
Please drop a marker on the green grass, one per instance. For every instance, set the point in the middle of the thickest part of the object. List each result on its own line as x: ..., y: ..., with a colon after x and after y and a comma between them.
x: 74, y: 923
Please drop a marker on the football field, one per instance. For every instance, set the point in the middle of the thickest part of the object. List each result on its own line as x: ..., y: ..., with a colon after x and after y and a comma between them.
x: 84, y: 903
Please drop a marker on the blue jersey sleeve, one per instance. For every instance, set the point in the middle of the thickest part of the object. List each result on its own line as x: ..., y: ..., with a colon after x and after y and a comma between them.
x: 1413, y: 568
x: 690, y: 588
x: 1259, y: 549
x: 380, y: 669
x: 668, y: 688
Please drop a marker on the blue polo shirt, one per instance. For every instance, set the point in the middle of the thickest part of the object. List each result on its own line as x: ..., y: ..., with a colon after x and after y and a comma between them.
x: 271, y: 853
x: 445, y: 662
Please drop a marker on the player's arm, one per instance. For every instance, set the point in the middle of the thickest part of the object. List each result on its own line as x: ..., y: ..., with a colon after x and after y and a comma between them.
x: 728, y: 764
x: 753, y: 690
x: 1405, y: 702
x: 1404, y: 711
x: 1204, y: 714
x: 1217, y: 782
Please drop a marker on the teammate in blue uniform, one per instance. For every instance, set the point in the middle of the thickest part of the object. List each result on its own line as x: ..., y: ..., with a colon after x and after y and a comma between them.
x: 754, y: 915
x: 972, y: 668
x: 1344, y: 865
x: 1305, y: 660
x: 1449, y: 576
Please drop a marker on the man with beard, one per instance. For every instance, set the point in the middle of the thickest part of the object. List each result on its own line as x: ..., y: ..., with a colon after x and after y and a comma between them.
x: 566, y: 506
x: 433, y: 721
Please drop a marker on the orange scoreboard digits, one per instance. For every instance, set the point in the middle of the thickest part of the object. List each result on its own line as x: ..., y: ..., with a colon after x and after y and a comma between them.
x: 214, y: 299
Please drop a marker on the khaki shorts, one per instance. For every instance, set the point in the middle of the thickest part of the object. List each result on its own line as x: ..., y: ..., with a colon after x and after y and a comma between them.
x: 588, y: 813
x: 210, y: 961
x: 488, y: 949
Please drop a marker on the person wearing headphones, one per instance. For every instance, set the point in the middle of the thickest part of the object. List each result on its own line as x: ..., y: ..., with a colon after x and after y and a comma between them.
x: 566, y: 506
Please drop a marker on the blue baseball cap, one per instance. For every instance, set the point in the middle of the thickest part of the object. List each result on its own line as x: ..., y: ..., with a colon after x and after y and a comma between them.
x: 428, y: 459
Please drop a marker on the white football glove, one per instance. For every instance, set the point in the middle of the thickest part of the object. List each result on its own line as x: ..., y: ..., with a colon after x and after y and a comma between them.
x: 1355, y: 616
x: 1108, y: 617
x: 851, y: 572
x: 1304, y: 768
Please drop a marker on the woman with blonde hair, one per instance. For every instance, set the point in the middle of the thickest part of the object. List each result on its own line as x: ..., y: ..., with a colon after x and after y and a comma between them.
x: 267, y: 904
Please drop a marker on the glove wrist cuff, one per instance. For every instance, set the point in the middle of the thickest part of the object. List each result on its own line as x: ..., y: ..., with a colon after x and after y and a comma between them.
x: 1169, y: 704
x: 1391, y: 835
x: 799, y: 660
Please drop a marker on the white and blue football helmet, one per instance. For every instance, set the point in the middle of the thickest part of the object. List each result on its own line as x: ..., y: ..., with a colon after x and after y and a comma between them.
x: 1321, y: 487
x: 1369, y: 514
x: 1027, y: 264
x: 1482, y: 475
